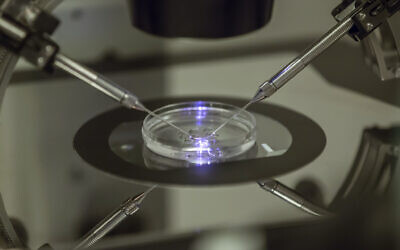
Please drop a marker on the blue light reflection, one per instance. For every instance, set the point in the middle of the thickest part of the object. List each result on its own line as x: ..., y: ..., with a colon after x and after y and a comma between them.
x: 205, y: 151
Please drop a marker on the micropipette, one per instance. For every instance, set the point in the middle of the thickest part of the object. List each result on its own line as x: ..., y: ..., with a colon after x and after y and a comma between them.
x: 128, y: 208
x: 230, y: 118
x: 269, y: 87
x: 106, y: 86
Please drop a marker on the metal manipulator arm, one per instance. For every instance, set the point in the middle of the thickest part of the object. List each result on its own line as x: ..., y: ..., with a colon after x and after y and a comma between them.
x: 25, y: 30
x: 378, y: 29
x: 358, y: 18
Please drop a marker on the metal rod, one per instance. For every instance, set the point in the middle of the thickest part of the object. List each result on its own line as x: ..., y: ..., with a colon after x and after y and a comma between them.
x: 98, y: 81
x: 12, y: 30
x: 128, y: 208
x: 290, y: 196
x: 101, y: 229
x: 269, y: 87
x: 106, y: 86
x: 231, y: 118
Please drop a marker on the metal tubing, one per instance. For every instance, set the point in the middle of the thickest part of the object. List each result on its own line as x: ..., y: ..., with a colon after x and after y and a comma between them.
x: 12, y: 30
x: 101, y: 229
x: 98, y: 81
x: 128, y: 208
x: 290, y: 196
x: 299, y: 63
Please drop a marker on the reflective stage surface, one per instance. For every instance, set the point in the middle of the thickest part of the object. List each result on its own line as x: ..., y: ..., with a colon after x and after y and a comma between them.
x: 112, y: 142
x: 126, y: 141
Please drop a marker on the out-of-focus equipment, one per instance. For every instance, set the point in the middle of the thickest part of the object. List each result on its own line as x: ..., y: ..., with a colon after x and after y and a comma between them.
x: 372, y: 173
x: 370, y: 226
x: 8, y: 236
x: 363, y: 199
x: 378, y: 29
x: 200, y: 18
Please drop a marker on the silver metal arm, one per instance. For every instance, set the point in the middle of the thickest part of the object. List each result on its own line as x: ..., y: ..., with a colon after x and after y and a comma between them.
x: 290, y: 196
x: 98, y: 81
x: 128, y: 208
x: 299, y: 63
x: 44, y: 53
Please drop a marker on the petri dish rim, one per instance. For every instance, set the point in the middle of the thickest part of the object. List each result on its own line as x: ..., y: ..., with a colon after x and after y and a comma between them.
x: 248, y: 121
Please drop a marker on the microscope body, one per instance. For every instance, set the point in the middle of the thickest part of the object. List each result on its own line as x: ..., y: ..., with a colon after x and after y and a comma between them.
x: 10, y: 59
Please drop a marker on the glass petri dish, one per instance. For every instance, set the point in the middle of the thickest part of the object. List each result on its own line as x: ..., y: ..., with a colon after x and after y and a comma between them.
x: 199, y: 119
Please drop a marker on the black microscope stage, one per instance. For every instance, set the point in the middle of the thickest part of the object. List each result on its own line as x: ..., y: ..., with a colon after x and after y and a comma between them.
x: 112, y: 142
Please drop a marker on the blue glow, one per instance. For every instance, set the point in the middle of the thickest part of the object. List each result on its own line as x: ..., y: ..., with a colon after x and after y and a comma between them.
x: 199, y: 103
x: 201, y: 113
x: 205, y: 153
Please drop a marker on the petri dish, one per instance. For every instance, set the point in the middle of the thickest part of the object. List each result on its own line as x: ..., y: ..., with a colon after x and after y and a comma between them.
x: 199, y: 119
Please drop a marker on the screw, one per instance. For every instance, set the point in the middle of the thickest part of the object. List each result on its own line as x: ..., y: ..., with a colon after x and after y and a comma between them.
x: 126, y: 147
x: 369, y: 26
x: 361, y: 16
x: 40, y: 61
x: 49, y: 49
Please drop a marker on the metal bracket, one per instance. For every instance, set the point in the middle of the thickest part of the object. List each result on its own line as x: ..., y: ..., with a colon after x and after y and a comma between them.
x: 382, y: 49
x: 376, y: 25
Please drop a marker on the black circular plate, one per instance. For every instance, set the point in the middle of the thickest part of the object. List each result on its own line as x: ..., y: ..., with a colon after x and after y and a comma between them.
x: 91, y: 142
